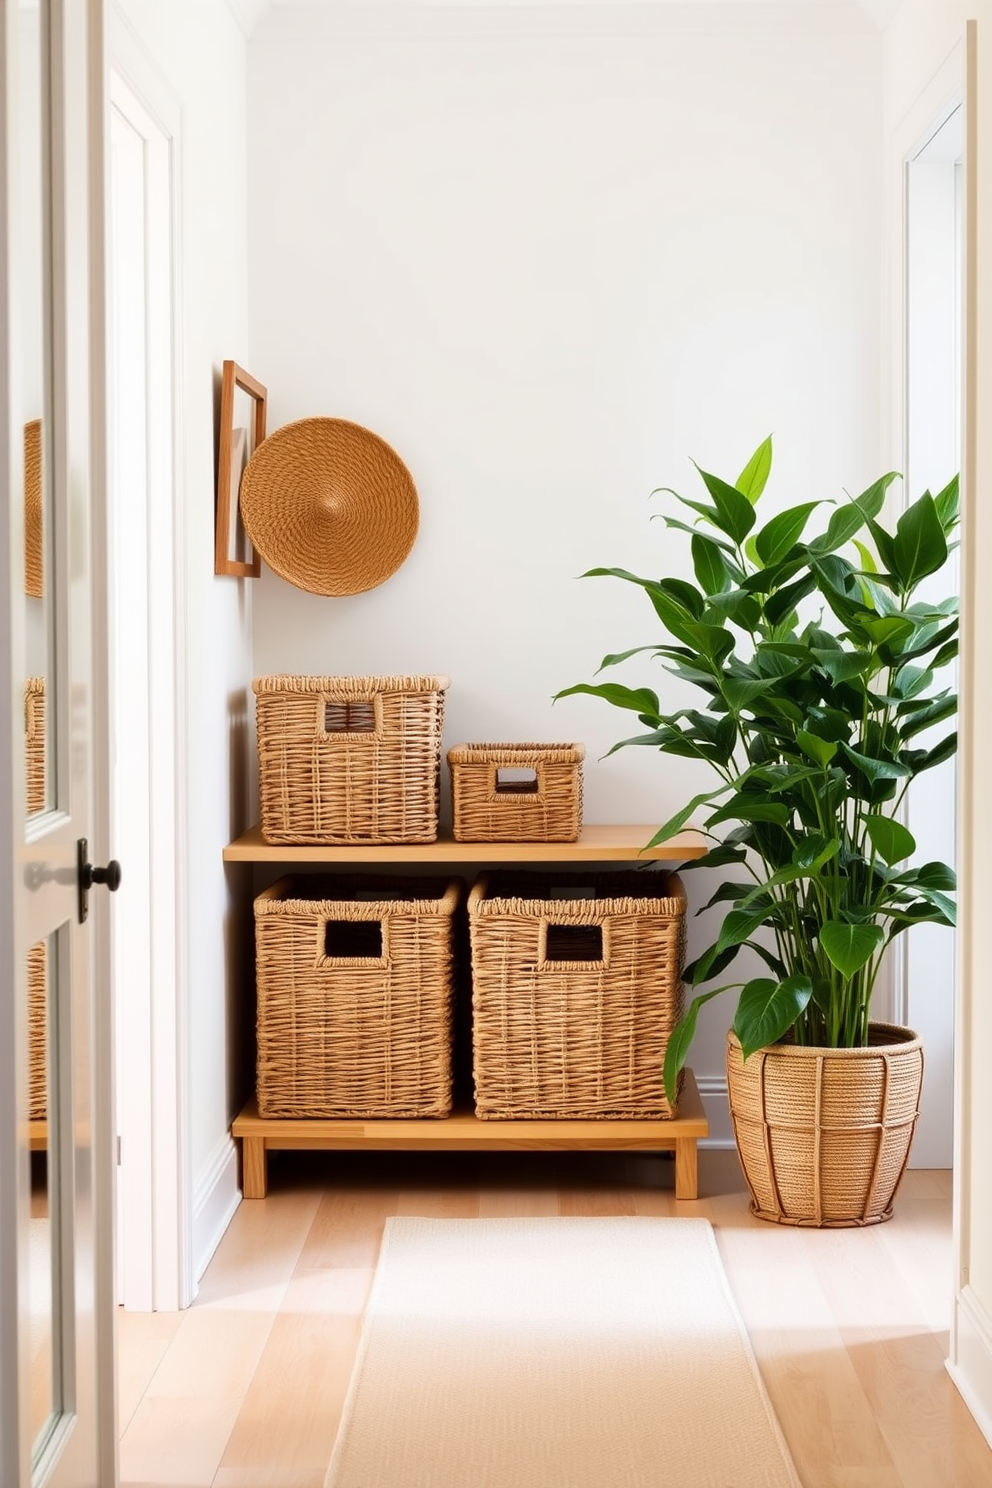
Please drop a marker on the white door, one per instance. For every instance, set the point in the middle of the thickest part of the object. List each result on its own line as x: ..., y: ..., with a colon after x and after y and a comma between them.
x: 57, y: 1395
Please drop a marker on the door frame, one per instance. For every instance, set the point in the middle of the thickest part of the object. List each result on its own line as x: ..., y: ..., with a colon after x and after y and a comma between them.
x: 156, y: 1217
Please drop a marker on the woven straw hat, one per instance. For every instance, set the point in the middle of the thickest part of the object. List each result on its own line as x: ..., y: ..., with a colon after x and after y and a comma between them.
x: 329, y: 505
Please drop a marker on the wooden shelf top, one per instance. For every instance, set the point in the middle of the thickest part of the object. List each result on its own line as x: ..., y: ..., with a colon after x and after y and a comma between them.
x: 596, y: 844
x: 463, y: 1129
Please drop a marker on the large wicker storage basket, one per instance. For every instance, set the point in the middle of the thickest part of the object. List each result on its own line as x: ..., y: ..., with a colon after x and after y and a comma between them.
x: 355, y: 980
x: 488, y: 806
x: 349, y: 759
x: 576, y: 987
x: 824, y: 1134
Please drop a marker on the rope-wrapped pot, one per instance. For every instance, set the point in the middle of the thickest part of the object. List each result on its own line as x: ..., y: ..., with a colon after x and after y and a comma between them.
x: 823, y: 1134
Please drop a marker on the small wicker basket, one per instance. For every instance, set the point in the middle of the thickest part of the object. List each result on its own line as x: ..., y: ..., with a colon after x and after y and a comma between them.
x: 37, y: 1024
x: 576, y: 988
x: 349, y: 759
x: 489, y: 806
x: 355, y: 979
x: 34, y: 742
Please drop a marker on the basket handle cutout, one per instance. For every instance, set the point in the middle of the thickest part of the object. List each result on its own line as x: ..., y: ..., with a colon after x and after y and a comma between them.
x: 353, y: 940
x: 574, y: 943
x: 514, y: 781
x: 353, y: 716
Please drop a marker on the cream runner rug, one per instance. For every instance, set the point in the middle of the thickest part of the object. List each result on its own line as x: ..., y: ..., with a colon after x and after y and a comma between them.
x: 555, y: 1353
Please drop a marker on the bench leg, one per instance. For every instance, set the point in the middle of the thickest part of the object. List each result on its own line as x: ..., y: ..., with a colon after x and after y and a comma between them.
x: 253, y: 1167
x: 686, y: 1171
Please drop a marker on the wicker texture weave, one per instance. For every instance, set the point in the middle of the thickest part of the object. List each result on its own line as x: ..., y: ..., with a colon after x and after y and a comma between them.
x: 34, y: 742
x: 34, y: 563
x: 37, y: 1023
x: 320, y: 783
x: 824, y: 1134
x: 329, y: 505
x: 582, y: 1038
x: 484, y: 809
x: 355, y: 1035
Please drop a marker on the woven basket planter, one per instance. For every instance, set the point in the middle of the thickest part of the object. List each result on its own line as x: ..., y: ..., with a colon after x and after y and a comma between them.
x: 349, y: 759
x: 34, y: 742
x: 355, y: 980
x: 37, y: 1023
x: 576, y: 987
x: 824, y: 1134
x: 487, y: 806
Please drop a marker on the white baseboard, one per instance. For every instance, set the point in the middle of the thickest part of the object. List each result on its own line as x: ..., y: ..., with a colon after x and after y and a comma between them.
x: 716, y: 1103
x: 971, y: 1365
x: 215, y: 1199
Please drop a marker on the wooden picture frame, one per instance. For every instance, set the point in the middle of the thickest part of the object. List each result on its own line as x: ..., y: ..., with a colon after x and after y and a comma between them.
x: 236, y: 446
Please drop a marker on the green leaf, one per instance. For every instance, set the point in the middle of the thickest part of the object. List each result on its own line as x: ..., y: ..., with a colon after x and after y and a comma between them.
x: 877, y: 769
x: 814, y: 851
x: 752, y: 479
x: 735, y: 513
x: 744, y: 808
x: 842, y: 666
x: 708, y: 562
x: 921, y: 718
x: 820, y: 751
x: 849, y: 947
x: 929, y: 876
x: 680, y: 1040
x: 738, y: 925
x: 867, y: 558
x: 920, y: 547
x: 609, y: 661
x: 677, y: 822
x: 741, y: 692
x: 768, y: 1009
x: 848, y: 520
x: 782, y: 533
x: 891, y: 840
x: 948, y: 505
x: 637, y: 699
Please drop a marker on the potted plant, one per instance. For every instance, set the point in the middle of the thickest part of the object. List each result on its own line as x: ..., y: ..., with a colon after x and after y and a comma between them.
x: 819, y: 666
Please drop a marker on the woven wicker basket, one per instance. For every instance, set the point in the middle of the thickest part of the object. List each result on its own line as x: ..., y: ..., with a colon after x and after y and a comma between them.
x: 349, y: 759
x: 824, y: 1134
x: 584, y: 1036
x: 486, y: 806
x: 34, y: 742
x: 37, y: 1022
x: 355, y: 981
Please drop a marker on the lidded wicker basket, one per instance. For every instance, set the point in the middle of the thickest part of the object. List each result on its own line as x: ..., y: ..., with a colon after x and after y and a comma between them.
x: 349, y: 759
x: 824, y: 1134
x: 355, y: 981
x: 576, y: 988
x: 490, y: 803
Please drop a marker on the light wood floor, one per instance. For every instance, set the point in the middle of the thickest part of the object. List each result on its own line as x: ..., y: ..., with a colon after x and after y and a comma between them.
x: 244, y: 1389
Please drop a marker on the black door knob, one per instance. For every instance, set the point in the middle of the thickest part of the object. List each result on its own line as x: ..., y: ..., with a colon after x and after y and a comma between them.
x: 88, y: 876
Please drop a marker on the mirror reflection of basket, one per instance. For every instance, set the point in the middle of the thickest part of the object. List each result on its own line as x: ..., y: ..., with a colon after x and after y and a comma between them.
x: 349, y: 759
x: 37, y: 1019
x: 34, y: 746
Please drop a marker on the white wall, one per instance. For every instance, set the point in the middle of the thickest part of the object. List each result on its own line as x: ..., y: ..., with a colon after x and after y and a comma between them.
x: 920, y: 37
x: 549, y: 256
x: 199, y: 52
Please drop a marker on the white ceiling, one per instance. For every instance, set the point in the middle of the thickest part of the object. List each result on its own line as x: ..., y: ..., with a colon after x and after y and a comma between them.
x: 250, y: 12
